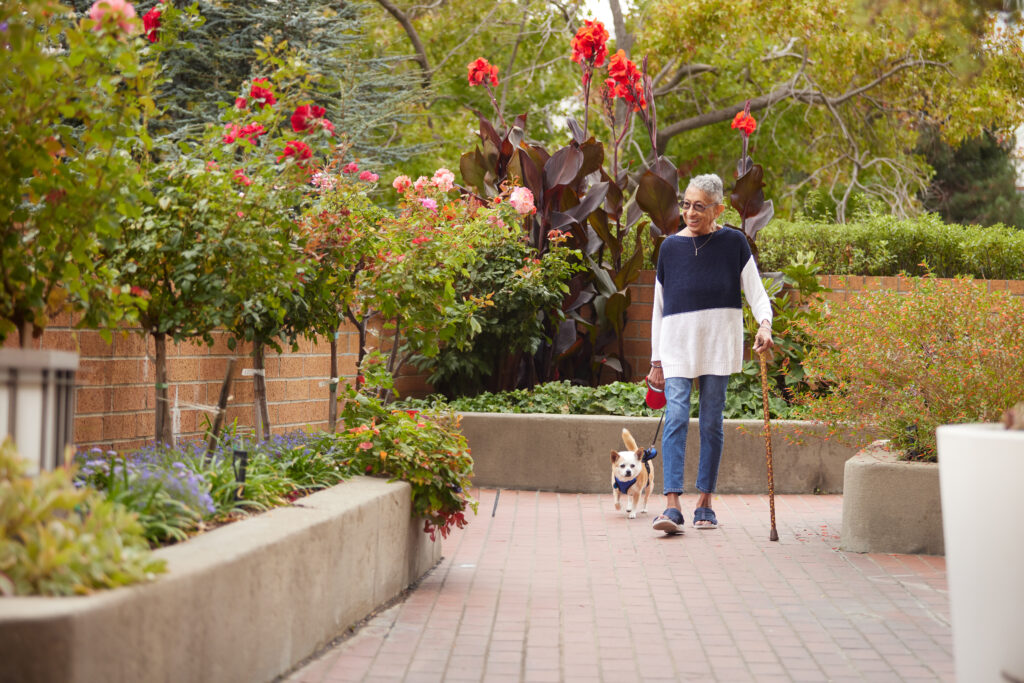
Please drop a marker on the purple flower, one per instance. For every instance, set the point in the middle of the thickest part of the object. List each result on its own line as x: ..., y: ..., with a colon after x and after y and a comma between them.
x: 429, y: 203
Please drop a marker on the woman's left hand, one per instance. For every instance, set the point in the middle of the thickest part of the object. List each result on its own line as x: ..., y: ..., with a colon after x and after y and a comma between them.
x: 763, y: 341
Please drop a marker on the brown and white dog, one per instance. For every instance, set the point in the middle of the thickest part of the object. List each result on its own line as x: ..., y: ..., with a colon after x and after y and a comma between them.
x: 631, y: 477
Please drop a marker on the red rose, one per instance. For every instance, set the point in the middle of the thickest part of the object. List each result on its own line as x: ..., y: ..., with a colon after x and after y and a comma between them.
x: 252, y: 132
x: 297, y: 149
x: 260, y: 94
x: 151, y: 23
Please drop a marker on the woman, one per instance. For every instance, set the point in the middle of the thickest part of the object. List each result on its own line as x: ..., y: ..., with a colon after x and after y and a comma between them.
x: 697, y: 334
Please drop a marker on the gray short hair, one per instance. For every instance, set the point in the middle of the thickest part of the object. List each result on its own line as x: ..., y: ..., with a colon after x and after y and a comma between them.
x: 710, y: 184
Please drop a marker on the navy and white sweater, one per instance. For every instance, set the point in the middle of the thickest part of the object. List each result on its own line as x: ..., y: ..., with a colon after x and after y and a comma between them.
x: 697, y: 323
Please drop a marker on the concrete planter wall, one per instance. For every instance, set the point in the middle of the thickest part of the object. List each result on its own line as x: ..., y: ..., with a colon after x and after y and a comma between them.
x: 245, y: 602
x: 891, y: 505
x: 571, y: 453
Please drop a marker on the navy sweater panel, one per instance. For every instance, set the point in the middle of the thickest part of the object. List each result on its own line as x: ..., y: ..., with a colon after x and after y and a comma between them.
x: 710, y: 279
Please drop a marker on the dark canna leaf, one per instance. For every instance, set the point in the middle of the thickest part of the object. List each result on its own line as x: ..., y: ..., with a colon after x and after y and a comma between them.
x: 615, y: 310
x: 562, y: 167
x: 753, y: 224
x: 565, y: 337
x: 602, y: 279
x: 593, y: 158
x: 488, y: 134
x: 658, y: 199
x: 592, y: 201
x: 472, y: 168
x: 631, y: 269
x: 667, y: 171
x: 747, y: 197
x: 525, y: 170
x: 577, y: 131
x: 613, y: 200
x: 603, y: 230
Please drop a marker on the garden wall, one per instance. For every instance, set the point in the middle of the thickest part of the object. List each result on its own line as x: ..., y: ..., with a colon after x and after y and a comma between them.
x: 116, y: 393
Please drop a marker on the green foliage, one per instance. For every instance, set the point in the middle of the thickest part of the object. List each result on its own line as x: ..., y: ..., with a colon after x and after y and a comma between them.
x: 743, y: 401
x: 900, y: 365
x: 518, y: 290
x: 424, y: 448
x: 72, y: 99
x: 57, y: 539
x: 844, y: 88
x: 974, y: 183
x: 886, y: 245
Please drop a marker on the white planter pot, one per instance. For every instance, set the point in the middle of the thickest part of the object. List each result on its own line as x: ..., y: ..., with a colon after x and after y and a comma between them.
x: 981, y: 480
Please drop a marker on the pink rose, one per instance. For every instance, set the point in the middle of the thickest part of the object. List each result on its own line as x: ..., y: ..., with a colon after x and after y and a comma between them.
x: 420, y: 183
x: 350, y: 167
x: 369, y: 177
x: 521, y: 200
x: 401, y: 183
x: 429, y: 203
x: 444, y: 179
x: 120, y: 11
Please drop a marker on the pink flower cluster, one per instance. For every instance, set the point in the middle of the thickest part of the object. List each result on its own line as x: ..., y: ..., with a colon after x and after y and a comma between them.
x: 443, y: 180
x: 521, y: 200
x: 120, y: 12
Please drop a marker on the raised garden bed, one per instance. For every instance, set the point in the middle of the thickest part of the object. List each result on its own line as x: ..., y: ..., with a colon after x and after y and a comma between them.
x: 245, y: 602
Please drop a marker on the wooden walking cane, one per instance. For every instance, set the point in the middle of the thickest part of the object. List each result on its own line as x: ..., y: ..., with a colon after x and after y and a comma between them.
x: 768, y: 443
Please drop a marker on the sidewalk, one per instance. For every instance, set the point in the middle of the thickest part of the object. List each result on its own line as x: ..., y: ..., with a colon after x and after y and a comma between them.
x: 561, y: 587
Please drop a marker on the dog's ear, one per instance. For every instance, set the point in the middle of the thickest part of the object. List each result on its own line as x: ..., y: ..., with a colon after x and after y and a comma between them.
x: 615, y: 457
x: 640, y: 454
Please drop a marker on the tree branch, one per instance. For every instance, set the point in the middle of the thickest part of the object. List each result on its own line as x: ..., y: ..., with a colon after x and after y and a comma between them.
x: 414, y: 37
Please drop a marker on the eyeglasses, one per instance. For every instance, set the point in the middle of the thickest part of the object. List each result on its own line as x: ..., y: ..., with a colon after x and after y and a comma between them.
x: 687, y: 205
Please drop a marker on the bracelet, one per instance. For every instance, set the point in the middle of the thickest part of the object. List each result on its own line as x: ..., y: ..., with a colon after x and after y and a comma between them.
x: 656, y: 366
x: 768, y: 325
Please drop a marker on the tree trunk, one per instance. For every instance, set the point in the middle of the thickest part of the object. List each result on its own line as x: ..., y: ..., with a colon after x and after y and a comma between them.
x: 164, y: 430
x: 332, y: 392
x: 25, y: 334
x: 259, y: 386
x: 222, y: 404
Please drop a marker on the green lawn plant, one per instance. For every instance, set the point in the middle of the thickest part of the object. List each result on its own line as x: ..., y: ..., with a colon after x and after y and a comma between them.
x: 898, y: 366
x: 60, y: 539
x: 73, y: 97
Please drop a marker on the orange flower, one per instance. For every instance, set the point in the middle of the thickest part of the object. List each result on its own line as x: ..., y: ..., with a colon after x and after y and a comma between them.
x: 744, y: 122
x: 590, y: 43
x: 481, y: 70
x: 626, y: 81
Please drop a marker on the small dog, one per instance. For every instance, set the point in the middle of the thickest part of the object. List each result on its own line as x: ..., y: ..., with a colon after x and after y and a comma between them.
x: 632, y: 477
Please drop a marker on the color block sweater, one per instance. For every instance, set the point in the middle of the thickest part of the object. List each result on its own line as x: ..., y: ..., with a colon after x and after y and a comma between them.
x: 697, y: 323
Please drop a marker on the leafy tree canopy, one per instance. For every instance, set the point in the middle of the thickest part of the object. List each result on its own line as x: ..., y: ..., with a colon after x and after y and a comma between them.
x: 842, y: 88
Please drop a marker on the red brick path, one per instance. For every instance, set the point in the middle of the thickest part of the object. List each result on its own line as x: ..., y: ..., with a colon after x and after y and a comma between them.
x: 561, y: 587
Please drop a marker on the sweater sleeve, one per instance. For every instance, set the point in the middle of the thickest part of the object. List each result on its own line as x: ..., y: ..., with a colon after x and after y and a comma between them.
x: 656, y: 316
x: 754, y: 292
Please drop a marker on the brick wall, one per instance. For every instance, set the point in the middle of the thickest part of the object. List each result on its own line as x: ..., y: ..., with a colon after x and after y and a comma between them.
x: 116, y: 392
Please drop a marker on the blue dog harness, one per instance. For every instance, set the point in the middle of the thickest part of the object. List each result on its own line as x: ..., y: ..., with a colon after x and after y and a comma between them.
x: 624, y: 486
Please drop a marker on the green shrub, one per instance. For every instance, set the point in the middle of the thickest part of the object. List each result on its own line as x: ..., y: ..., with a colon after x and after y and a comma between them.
x: 885, y: 245
x: 900, y: 365
x: 57, y: 539
x: 625, y: 399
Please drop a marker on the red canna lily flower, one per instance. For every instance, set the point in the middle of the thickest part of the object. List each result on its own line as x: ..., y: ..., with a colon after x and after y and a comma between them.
x: 590, y: 43
x: 481, y: 71
x: 744, y: 122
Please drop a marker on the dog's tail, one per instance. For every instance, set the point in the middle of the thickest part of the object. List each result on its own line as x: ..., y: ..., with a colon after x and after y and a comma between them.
x: 628, y: 439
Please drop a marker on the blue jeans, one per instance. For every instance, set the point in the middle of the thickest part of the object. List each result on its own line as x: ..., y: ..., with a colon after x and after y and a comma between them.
x: 677, y: 422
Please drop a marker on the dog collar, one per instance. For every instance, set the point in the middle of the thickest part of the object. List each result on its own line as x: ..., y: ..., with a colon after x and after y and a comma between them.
x: 624, y: 486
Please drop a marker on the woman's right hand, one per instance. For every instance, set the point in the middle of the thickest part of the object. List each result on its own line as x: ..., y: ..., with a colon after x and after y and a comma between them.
x: 656, y: 378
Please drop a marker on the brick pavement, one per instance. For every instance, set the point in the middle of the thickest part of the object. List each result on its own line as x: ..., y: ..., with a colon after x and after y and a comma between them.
x: 561, y: 587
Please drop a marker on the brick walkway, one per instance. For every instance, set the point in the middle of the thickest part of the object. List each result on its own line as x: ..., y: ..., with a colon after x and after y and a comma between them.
x: 561, y: 587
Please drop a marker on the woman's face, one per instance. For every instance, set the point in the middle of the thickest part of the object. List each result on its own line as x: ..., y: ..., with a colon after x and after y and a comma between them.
x: 699, y: 212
